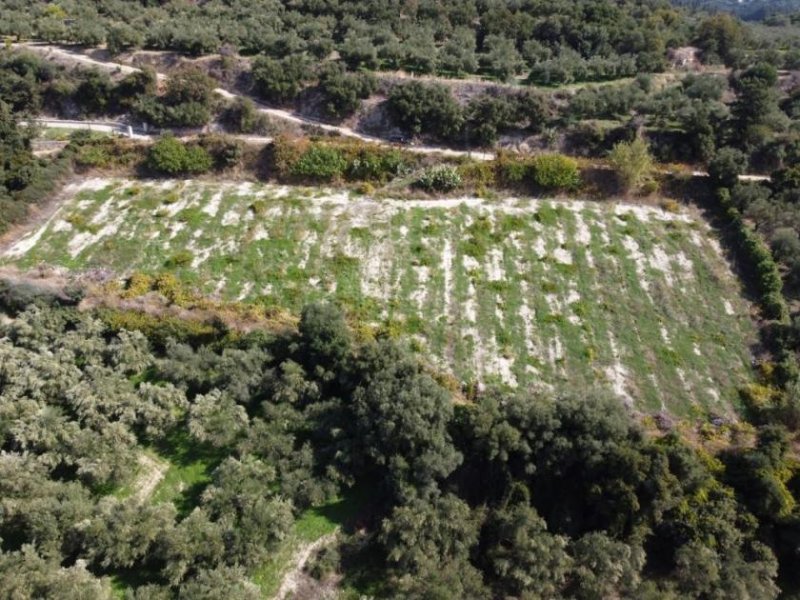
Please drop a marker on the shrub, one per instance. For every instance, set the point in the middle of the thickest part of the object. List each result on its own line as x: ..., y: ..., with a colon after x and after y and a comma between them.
x: 122, y: 36
x: 510, y: 169
x: 726, y: 166
x: 160, y: 328
x: 441, y: 178
x: 196, y: 160
x: 283, y: 154
x: 479, y: 174
x: 226, y: 152
x: 169, y: 156
x: 92, y: 155
x: 757, y: 259
x: 182, y: 258
x: 243, y: 117
x: 279, y: 80
x: 171, y: 288
x: 633, y: 163
x: 417, y: 106
x: 320, y: 163
x: 556, y: 172
x: 343, y: 92
x: 138, y: 284
x: 376, y: 164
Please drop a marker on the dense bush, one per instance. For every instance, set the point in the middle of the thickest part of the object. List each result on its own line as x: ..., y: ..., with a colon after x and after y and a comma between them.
x: 323, y: 161
x: 633, y: 163
x: 342, y: 92
x: 171, y: 157
x: 241, y: 116
x: 498, y: 40
x: 279, y: 81
x: 506, y: 495
x: 439, y: 179
x: 319, y: 163
x: 487, y: 115
x: 555, y: 172
x: 25, y: 181
x: 429, y: 108
x: 372, y: 163
x: 122, y: 37
x: 726, y: 166
x: 571, y: 67
x: 226, y: 152
x: 757, y: 259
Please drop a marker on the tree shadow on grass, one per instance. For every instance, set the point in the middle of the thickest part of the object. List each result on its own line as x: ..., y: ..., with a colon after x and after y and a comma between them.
x: 191, y: 466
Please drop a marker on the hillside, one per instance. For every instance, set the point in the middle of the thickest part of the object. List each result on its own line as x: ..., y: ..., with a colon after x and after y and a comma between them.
x: 443, y: 300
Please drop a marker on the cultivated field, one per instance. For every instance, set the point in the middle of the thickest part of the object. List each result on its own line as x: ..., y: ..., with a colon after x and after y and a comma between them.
x: 520, y: 291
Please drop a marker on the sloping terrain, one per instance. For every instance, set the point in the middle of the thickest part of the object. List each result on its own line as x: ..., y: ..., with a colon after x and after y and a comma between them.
x: 634, y: 298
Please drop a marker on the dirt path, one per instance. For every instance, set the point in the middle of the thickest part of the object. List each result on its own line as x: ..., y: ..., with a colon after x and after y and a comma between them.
x: 63, y: 54
x: 294, y: 576
x: 151, y: 472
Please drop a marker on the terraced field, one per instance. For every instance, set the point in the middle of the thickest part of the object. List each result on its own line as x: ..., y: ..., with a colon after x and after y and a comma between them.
x: 517, y: 291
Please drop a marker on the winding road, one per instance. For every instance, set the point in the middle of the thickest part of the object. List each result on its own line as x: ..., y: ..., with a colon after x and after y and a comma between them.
x: 50, y: 51
x: 111, y: 126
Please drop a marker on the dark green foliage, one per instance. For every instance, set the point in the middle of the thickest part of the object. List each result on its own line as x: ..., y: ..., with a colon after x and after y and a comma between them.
x: 170, y: 156
x: 726, y: 166
x: 24, y: 180
x: 430, y: 108
x: 604, y: 567
x: 451, y: 37
x: 605, y: 102
x: 319, y: 163
x: 324, y: 336
x: 359, y: 52
x: 94, y: 94
x: 188, y: 101
x: 188, y: 98
x: 25, y: 574
x: 243, y: 117
x: 342, y: 92
x: 570, y: 67
x: 133, y: 86
x: 279, y: 81
x: 522, y: 556
x: 585, y: 439
x: 500, y: 57
x: 122, y: 37
x: 425, y: 534
x: 722, y: 37
x: 400, y: 422
x: 486, y: 115
x: 759, y: 475
x: 756, y: 258
x: 756, y: 98
x: 513, y: 496
x: 17, y: 165
x: 225, y: 151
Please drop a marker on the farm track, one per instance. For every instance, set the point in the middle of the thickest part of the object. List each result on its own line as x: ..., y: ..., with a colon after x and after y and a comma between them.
x: 285, y: 115
x: 281, y: 114
x: 293, y: 577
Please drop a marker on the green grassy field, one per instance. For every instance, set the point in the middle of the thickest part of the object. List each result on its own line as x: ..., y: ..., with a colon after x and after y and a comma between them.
x: 635, y: 299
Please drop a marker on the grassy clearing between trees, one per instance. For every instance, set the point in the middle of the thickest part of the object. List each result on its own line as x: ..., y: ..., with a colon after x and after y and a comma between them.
x: 634, y: 298
x: 310, y: 526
